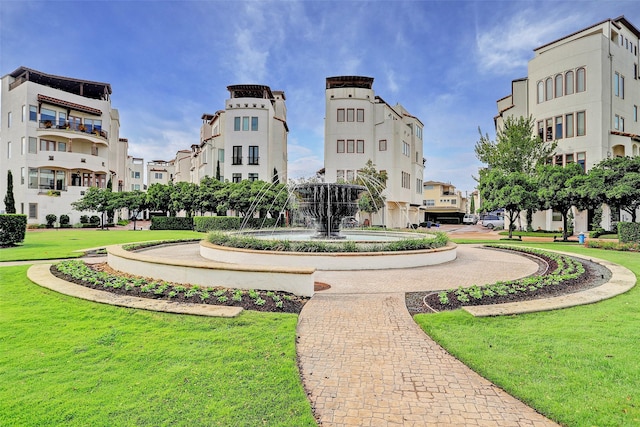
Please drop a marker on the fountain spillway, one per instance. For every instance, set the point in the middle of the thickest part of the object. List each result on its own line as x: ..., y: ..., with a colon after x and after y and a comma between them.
x: 328, y: 204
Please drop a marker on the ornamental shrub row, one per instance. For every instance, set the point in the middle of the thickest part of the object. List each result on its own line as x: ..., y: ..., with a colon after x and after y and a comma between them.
x: 171, y: 223
x: 13, y: 228
x: 628, y: 232
x: 205, y: 224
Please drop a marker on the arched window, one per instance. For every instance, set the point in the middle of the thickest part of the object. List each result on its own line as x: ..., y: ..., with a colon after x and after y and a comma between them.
x: 635, y: 150
x: 581, y: 84
x: 558, y: 86
x: 548, y: 89
x: 568, y: 83
x: 540, y: 92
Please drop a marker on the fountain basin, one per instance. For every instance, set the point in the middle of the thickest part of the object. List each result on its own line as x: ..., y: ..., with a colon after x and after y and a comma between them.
x: 330, y: 260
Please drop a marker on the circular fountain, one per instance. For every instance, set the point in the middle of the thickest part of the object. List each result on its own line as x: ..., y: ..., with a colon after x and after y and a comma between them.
x: 328, y: 204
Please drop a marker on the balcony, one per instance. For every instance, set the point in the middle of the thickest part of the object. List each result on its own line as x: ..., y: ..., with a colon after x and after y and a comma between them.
x: 71, y: 129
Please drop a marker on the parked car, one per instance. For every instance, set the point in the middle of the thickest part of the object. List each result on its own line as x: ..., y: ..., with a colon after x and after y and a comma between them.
x: 470, y: 219
x: 349, y: 222
x: 493, y: 221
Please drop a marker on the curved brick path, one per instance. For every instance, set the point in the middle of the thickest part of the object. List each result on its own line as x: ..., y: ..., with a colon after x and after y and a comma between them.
x: 365, y: 362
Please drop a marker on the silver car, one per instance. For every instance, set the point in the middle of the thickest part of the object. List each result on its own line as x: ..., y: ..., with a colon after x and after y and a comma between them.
x: 493, y: 221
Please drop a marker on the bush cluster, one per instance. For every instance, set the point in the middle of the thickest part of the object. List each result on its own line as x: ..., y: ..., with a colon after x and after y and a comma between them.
x: 629, y: 232
x: 171, y: 223
x: 249, y: 242
x: 13, y: 228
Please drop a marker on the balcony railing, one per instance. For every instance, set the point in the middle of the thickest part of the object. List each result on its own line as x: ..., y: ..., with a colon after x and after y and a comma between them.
x: 73, y: 127
x: 254, y: 161
x: 236, y: 160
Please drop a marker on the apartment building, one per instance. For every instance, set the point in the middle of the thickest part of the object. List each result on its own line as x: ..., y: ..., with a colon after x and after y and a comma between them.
x: 443, y: 203
x: 160, y: 171
x: 245, y: 141
x: 583, y: 90
x: 135, y: 167
x: 59, y: 136
x: 361, y: 126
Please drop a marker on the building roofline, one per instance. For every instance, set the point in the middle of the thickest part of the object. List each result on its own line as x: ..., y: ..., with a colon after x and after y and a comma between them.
x: 86, y: 88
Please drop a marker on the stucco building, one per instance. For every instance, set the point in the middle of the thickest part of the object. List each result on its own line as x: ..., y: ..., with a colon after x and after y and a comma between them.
x: 583, y: 90
x: 59, y: 136
x: 361, y: 126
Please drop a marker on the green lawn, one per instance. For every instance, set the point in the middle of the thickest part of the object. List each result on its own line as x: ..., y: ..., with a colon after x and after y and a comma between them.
x: 51, y: 244
x: 578, y: 366
x: 65, y: 361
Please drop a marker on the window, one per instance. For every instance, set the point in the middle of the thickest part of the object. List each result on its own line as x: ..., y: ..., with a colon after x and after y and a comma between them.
x: 23, y: 146
x: 541, y: 129
x: 62, y: 146
x: 33, y: 145
x: 350, y: 145
x: 23, y: 173
x: 340, y: 175
x: 616, y: 84
x: 568, y: 83
x: 46, y: 145
x: 559, y: 86
x: 33, y: 113
x: 540, y: 92
x: 621, y: 124
x: 221, y: 155
x: 418, y: 132
x: 382, y: 145
x: 581, y: 125
x: 429, y: 202
x: 47, y: 116
x: 360, y: 146
x: 418, y: 185
x: 158, y: 175
x: 581, y: 84
x: 254, y: 124
x: 62, y: 120
x: 340, y: 115
x: 350, y: 113
x: 549, y: 128
x: 556, y: 216
x: 581, y: 160
x: 254, y: 154
x: 406, y: 180
x: 237, y: 155
x: 253, y: 177
x: 568, y: 159
x: 360, y: 115
x: 559, y: 127
x: 135, y: 187
x: 33, y: 178
x: 548, y: 89
x: 245, y: 123
x: 24, y: 113
x: 568, y: 125
x: 558, y: 161
x: 350, y: 175
x: 135, y: 175
x: 33, y: 210
x: 9, y: 150
x: 340, y: 146
x: 405, y: 149
x: 635, y: 113
x: 616, y: 122
x: 9, y: 119
x: 454, y: 201
x: 236, y: 177
x: 236, y: 123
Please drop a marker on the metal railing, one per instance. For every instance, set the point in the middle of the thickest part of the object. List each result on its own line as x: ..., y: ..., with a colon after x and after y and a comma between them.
x: 74, y: 127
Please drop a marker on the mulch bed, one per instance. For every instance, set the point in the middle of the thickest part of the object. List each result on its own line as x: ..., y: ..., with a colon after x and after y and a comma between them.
x: 595, y: 275
x: 294, y: 305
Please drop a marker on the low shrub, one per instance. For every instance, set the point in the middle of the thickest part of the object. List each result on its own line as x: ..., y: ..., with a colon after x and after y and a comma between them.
x: 613, y: 246
x: 95, y: 220
x: 64, y: 220
x: 205, y: 224
x: 51, y: 219
x: 13, y: 228
x: 171, y: 223
x: 84, y: 219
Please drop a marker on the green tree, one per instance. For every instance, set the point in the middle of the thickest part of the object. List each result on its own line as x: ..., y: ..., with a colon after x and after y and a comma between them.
x: 207, y: 199
x: 472, y: 209
x: 372, y: 200
x: 97, y: 200
x: 513, y: 191
x: 134, y: 201
x: 9, y: 201
x: 617, y: 183
x: 159, y: 197
x: 559, y: 189
x: 184, y: 197
x: 218, y: 175
x: 516, y: 149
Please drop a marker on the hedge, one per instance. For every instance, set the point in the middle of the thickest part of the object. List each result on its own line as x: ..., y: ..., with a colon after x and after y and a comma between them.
x: 171, y: 223
x: 628, y: 232
x: 13, y: 228
x: 209, y: 223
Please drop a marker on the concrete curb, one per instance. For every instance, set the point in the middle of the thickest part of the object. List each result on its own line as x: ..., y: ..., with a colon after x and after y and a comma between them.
x: 41, y: 275
x: 622, y: 280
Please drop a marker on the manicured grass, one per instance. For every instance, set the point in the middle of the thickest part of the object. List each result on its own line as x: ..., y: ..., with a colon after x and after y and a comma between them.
x: 71, y: 362
x: 579, y: 366
x: 51, y: 244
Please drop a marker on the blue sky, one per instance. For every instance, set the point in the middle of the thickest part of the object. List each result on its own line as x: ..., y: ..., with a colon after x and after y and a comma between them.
x: 447, y: 62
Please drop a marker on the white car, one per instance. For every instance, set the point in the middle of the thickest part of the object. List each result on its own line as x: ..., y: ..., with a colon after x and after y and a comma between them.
x: 470, y: 219
x: 493, y: 221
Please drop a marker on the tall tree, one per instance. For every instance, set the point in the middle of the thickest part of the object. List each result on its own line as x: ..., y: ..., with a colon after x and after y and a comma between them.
x: 97, y: 200
x: 184, y: 196
x: 9, y: 201
x: 513, y: 191
x: 516, y: 148
x: 472, y: 208
x: 159, y: 197
x: 558, y: 189
x: 372, y: 200
x: 134, y: 201
x: 617, y: 182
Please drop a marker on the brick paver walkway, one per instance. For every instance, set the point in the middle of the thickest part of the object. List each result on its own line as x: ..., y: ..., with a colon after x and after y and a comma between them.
x: 365, y: 362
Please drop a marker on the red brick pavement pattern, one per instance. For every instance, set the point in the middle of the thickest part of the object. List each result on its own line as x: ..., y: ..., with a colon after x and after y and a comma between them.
x: 365, y: 362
